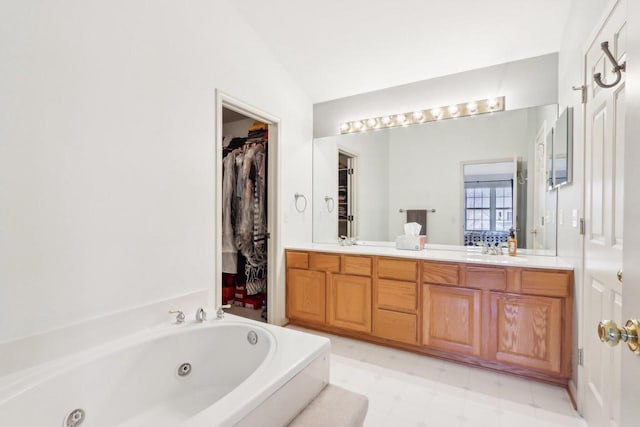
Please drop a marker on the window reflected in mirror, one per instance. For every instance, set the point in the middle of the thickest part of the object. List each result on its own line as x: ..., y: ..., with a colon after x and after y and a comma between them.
x: 488, y: 202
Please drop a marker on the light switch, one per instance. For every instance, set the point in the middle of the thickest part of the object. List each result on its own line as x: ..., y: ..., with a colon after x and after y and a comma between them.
x: 574, y: 218
x: 561, y: 216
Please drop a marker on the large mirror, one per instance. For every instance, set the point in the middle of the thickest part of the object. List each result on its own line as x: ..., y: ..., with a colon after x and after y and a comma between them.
x: 468, y: 181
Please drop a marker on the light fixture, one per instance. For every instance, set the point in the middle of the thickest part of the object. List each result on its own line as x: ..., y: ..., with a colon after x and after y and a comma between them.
x: 418, y: 116
x: 470, y: 108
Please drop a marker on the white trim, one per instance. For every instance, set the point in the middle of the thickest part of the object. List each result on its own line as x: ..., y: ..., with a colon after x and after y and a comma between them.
x: 224, y: 100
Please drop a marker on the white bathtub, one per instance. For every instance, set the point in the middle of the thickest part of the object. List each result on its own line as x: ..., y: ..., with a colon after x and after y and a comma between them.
x: 135, y: 381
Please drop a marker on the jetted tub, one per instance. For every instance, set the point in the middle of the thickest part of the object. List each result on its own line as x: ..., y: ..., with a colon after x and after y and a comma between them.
x: 239, y: 372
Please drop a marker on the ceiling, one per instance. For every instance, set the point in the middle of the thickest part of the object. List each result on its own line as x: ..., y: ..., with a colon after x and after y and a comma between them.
x: 337, y: 48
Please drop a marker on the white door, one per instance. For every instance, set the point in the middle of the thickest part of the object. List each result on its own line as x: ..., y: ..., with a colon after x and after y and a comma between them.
x: 604, y: 206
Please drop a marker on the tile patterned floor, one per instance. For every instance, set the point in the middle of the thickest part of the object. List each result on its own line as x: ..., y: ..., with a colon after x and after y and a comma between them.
x: 407, y: 389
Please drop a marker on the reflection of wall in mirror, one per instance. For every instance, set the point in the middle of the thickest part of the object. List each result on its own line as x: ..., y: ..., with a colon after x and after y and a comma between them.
x: 372, y: 183
x: 425, y: 162
x: 325, y: 184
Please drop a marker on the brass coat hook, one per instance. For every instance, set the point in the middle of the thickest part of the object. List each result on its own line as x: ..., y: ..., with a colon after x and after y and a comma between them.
x: 617, y: 68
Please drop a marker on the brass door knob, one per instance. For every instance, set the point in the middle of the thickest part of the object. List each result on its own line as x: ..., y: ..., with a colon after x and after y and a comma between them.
x: 610, y: 333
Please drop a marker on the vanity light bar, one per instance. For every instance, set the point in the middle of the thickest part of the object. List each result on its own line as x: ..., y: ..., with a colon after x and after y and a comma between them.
x: 453, y: 111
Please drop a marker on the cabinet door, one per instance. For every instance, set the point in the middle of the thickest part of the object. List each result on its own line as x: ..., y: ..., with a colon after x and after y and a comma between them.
x: 451, y: 318
x: 306, y: 292
x: 527, y: 330
x: 350, y: 302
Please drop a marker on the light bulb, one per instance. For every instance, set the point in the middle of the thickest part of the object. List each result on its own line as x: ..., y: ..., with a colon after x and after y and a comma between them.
x: 401, y: 118
x: 344, y: 127
x: 357, y: 125
x: 492, y: 103
x: 472, y: 107
x: 372, y: 123
x: 386, y: 120
x: 436, y: 113
x: 418, y: 116
x: 453, y: 110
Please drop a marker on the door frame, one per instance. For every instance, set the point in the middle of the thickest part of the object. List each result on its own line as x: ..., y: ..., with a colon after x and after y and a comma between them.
x: 353, y: 192
x: 223, y: 100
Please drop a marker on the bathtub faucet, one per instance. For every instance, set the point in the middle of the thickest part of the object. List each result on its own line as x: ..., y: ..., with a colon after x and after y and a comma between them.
x: 179, y: 315
x: 220, y: 312
x: 201, y: 315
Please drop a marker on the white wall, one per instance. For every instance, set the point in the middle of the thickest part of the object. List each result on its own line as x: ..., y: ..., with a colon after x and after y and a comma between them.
x: 325, y: 184
x: 238, y: 128
x: 371, y: 181
x: 582, y: 20
x: 107, y: 144
x: 526, y: 83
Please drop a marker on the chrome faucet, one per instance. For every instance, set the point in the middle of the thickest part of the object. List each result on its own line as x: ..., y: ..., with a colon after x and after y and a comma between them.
x: 201, y: 315
x: 220, y: 312
x: 347, y: 241
x: 179, y: 316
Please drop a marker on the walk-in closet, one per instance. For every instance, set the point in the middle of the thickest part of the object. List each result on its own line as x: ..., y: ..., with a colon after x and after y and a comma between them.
x: 244, y: 215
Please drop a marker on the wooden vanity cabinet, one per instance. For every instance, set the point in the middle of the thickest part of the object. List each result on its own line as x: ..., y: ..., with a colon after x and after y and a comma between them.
x: 396, y: 303
x: 527, y: 331
x: 451, y: 318
x: 306, y: 295
x: 329, y: 289
x: 349, y: 302
x: 508, y: 318
x: 451, y: 314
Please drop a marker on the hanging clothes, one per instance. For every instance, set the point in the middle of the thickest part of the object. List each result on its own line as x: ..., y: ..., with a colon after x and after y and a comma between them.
x: 251, y: 218
x: 229, y: 249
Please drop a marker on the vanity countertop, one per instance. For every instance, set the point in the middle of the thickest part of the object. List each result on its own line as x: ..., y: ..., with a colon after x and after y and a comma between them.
x: 471, y: 256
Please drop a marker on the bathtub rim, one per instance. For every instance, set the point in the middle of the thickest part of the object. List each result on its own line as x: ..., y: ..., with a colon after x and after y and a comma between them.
x: 16, y: 383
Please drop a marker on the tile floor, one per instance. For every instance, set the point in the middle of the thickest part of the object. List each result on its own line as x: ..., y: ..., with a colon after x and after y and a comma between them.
x: 407, y: 389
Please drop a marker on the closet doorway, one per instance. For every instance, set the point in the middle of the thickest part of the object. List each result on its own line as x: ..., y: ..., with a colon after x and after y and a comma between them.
x: 346, y: 194
x: 245, y: 209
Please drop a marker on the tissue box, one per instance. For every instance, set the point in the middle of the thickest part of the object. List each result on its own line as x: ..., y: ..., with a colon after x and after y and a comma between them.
x: 411, y: 243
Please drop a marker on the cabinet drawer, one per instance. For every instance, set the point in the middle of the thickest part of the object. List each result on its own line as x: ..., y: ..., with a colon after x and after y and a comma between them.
x: 397, y: 269
x: 359, y: 265
x: 325, y: 262
x: 554, y: 284
x: 395, y: 295
x: 395, y: 326
x: 436, y: 272
x: 297, y: 259
x: 486, y: 278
